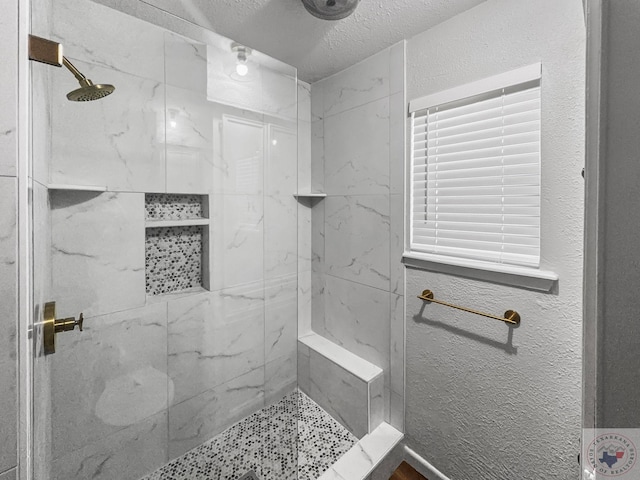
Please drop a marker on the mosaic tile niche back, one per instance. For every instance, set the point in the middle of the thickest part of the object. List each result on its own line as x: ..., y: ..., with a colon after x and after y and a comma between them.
x: 169, y: 206
x: 174, y: 252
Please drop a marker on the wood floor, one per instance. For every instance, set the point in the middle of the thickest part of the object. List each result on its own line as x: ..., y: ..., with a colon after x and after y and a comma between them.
x: 406, y: 472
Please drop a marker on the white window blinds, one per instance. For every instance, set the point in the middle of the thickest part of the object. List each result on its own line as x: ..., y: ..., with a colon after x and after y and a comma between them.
x: 476, y: 177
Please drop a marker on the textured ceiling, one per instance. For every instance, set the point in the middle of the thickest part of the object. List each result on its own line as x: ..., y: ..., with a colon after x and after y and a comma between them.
x: 318, y: 48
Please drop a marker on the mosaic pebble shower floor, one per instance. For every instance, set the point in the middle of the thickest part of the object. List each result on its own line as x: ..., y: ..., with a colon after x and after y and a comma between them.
x: 293, y: 439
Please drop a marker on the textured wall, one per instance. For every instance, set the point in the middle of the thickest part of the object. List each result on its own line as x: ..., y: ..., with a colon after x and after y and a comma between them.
x: 316, y: 47
x: 484, y: 401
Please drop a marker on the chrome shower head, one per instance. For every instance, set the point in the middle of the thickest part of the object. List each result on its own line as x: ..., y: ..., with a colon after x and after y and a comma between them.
x: 330, y: 9
x: 88, y: 91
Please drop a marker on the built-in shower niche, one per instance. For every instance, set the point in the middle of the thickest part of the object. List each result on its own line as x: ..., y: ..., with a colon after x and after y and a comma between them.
x: 176, y: 243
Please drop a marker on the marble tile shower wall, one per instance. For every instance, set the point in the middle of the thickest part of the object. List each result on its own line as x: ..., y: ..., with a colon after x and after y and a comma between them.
x: 305, y: 208
x: 152, y: 377
x: 8, y: 314
x: 8, y: 241
x: 357, y: 145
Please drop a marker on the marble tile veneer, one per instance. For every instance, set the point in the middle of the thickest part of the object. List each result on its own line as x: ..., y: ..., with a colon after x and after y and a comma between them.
x: 8, y: 79
x: 108, y: 377
x: 125, y: 455
x: 356, y: 150
x: 280, y: 378
x: 304, y: 156
x: 185, y: 63
x: 358, y: 121
x: 357, y: 318
x: 362, y: 83
x: 281, y: 163
x: 396, y: 354
x: 214, y: 337
x: 304, y: 101
x: 8, y: 322
x: 357, y: 239
x: 118, y: 41
x: 317, y: 156
x: 397, y: 122
x: 396, y: 244
x: 97, y: 242
x: 196, y: 420
x: 240, y: 167
x: 281, y: 323
x: 237, y: 256
x: 8, y: 475
x: 396, y: 67
x: 189, y: 141
x: 117, y: 142
x: 341, y: 394
x: 365, y: 455
x: 280, y: 236
x: 304, y: 302
x: 346, y: 386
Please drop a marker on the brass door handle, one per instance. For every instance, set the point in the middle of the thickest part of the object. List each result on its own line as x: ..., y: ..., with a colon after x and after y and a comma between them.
x: 51, y: 326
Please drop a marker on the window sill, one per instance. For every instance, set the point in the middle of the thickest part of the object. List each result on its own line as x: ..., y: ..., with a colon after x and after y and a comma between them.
x: 515, y: 276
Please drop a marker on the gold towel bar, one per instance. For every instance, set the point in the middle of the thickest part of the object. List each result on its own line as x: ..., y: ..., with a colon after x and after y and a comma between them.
x: 510, y: 316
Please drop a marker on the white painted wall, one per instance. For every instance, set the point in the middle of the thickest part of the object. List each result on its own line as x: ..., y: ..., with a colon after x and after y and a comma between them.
x: 484, y: 401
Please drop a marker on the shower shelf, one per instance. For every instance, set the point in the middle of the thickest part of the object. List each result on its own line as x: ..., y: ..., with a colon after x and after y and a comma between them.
x: 310, y: 195
x: 80, y: 188
x: 176, y: 223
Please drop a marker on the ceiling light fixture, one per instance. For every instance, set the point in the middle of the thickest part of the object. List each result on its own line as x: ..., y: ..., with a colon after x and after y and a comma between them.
x: 330, y: 9
x: 173, y: 115
x: 242, y: 53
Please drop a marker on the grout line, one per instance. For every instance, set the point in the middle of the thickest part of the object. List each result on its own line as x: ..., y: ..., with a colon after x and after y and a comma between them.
x: 9, y: 470
x: 169, y: 400
x: 360, y: 283
x: 387, y: 95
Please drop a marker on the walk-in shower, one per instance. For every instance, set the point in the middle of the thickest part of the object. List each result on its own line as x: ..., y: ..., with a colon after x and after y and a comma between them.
x: 178, y: 220
x: 167, y: 215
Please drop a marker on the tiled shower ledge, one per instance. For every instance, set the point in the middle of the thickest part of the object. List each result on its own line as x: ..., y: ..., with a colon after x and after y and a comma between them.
x: 364, y: 456
x: 352, y: 363
x: 176, y: 223
x: 310, y: 195
x: 293, y: 439
x: 80, y: 188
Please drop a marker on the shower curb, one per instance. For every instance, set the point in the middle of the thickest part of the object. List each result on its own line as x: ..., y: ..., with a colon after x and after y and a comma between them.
x: 365, y: 456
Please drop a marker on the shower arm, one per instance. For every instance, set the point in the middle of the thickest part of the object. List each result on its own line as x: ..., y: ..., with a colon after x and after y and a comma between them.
x: 76, y: 73
x: 49, y: 52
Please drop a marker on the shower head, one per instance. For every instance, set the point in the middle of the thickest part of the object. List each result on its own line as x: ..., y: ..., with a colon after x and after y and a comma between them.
x: 330, y: 9
x: 88, y: 91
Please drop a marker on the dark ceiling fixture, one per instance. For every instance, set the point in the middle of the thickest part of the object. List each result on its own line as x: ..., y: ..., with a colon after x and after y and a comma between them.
x: 330, y: 9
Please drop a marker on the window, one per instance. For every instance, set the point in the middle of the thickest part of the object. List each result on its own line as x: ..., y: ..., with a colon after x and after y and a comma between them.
x: 475, y: 173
